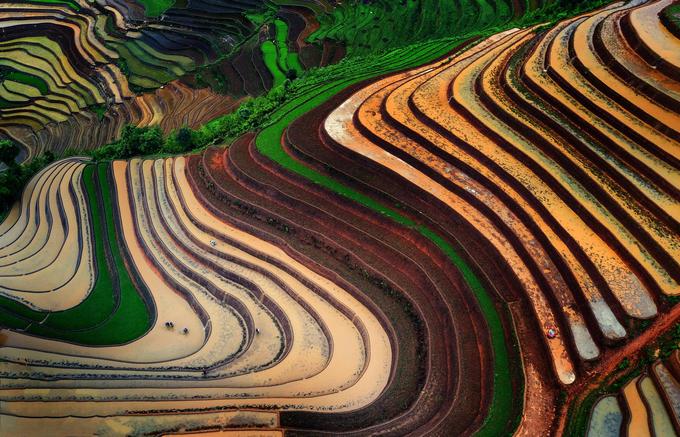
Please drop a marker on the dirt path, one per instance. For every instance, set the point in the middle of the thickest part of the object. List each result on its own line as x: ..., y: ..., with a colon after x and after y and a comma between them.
x: 610, y: 360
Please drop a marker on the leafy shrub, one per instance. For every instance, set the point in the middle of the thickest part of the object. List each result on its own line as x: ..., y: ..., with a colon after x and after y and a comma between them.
x: 8, y: 152
x: 134, y: 141
x: 14, y: 178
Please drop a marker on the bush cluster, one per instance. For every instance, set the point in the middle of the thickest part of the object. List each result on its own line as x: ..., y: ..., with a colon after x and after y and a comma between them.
x: 140, y: 141
x: 133, y: 141
x: 15, y: 176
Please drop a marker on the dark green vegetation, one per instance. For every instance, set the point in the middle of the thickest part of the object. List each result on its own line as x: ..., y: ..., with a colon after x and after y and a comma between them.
x: 113, y: 312
x: 100, y: 110
x: 367, y: 27
x: 24, y: 78
x: 670, y: 16
x: 132, y: 142
x: 22, y: 84
x: 15, y: 176
x: 628, y: 369
x: 8, y: 152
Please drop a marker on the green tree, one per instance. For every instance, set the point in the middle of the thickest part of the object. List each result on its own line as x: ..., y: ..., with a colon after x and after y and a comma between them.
x: 184, y: 138
x: 8, y: 152
x: 138, y: 141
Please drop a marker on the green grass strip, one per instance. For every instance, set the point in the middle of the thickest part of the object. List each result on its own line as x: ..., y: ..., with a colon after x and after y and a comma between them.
x: 287, y: 60
x: 132, y: 318
x: 269, y: 144
x: 28, y: 79
x: 270, y: 56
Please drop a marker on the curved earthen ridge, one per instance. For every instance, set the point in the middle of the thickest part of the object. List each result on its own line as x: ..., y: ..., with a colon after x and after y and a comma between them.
x: 251, y: 325
x: 451, y: 249
x: 46, y: 256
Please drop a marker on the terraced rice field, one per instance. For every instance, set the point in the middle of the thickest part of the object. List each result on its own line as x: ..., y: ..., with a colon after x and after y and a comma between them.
x: 589, y: 247
x: 91, y: 69
x: 470, y: 235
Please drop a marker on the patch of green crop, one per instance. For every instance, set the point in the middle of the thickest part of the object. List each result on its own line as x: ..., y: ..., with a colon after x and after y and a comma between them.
x: 25, y: 78
x: 367, y: 27
x: 259, y: 18
x: 670, y: 16
x: 287, y: 61
x: 280, y: 62
x: 270, y: 57
x: 154, y: 8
